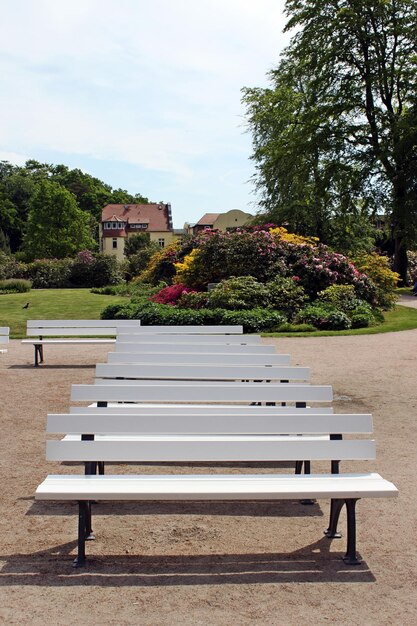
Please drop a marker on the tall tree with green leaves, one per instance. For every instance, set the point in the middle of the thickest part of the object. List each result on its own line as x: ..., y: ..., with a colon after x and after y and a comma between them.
x: 56, y: 226
x: 342, y: 116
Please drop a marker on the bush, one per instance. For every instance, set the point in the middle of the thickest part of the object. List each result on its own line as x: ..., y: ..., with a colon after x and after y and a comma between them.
x: 193, y: 300
x: 152, y: 313
x: 294, y: 328
x: 15, y: 285
x: 49, y: 273
x: 324, y: 317
x: 169, y: 295
x: 378, y: 269
x: 287, y: 295
x: 244, y: 292
x: 95, y: 270
x: 338, y: 321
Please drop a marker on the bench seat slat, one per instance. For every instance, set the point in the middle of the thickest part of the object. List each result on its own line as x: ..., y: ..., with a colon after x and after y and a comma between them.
x: 163, y: 358
x: 214, y: 487
x: 195, y: 409
x: 208, y: 448
x: 217, y: 424
x: 201, y: 393
x: 198, y: 372
x: 91, y: 340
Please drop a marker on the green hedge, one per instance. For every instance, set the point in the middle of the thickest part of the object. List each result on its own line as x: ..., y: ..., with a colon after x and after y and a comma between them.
x: 151, y: 313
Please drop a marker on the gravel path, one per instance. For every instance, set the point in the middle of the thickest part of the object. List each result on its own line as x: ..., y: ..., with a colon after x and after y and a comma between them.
x: 261, y: 564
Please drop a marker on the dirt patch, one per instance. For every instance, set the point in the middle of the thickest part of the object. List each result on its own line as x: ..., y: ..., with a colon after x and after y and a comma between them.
x: 227, y: 563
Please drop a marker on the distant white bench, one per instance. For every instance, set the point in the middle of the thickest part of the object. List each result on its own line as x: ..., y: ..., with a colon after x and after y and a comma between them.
x: 4, y: 337
x: 192, y: 439
x: 74, y: 329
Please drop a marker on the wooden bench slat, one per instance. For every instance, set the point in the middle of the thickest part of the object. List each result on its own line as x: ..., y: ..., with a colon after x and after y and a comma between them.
x: 191, y: 348
x: 194, y: 409
x: 132, y: 339
x: 39, y: 324
x: 214, y: 487
x: 209, y: 449
x: 243, y: 423
x: 207, y: 372
x: 163, y: 358
x: 176, y: 329
x: 211, y: 392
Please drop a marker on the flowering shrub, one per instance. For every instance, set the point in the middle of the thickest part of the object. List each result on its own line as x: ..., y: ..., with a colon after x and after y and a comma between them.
x: 161, y: 265
x: 385, y: 280
x: 193, y: 300
x: 324, y: 317
x: 170, y: 295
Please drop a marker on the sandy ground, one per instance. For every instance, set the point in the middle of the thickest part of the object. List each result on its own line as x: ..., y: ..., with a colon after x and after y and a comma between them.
x: 214, y: 564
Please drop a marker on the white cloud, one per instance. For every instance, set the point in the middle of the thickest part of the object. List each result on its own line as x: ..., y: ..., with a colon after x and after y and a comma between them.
x: 153, y: 84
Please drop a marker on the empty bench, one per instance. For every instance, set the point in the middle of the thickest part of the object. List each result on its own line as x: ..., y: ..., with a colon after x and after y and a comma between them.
x: 80, y: 331
x: 226, y: 439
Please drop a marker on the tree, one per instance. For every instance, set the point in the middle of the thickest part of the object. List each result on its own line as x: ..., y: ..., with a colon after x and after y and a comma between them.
x: 56, y: 226
x: 351, y: 109
x: 137, y: 242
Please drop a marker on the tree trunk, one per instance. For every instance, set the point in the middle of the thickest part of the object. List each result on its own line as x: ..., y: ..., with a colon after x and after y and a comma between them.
x: 400, y: 260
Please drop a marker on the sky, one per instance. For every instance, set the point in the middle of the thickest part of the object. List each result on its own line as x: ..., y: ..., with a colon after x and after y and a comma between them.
x: 143, y: 94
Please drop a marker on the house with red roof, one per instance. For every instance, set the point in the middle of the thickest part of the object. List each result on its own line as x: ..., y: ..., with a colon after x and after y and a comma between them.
x: 220, y: 221
x: 120, y: 221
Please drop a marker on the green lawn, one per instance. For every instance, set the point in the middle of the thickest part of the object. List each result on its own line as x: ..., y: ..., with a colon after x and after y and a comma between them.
x: 401, y: 318
x: 82, y: 304
x: 51, y: 304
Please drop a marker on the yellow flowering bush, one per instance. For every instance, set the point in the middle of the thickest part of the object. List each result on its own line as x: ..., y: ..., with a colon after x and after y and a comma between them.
x: 283, y: 234
x: 377, y: 268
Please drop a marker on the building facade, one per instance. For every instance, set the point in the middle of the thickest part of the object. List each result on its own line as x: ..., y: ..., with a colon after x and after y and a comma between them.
x: 220, y: 221
x: 120, y: 221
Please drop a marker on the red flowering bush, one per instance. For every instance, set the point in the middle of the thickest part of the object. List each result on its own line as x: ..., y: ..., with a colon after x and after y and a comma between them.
x: 170, y: 295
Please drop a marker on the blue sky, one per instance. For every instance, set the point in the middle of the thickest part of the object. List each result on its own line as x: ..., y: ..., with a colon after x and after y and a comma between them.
x: 143, y: 94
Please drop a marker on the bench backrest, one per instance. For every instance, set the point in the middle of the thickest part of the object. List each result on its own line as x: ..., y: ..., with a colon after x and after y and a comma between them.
x: 126, y: 336
x: 55, y: 328
x: 225, y: 439
x: 203, y: 392
x: 201, y: 372
x: 190, y: 330
x: 162, y: 346
x: 165, y: 358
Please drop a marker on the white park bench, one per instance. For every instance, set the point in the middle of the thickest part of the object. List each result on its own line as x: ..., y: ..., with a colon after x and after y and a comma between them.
x: 194, y: 439
x: 80, y: 331
x: 4, y: 337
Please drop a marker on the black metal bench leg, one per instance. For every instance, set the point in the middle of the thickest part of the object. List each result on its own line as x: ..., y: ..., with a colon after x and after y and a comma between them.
x: 89, y: 535
x: 350, y: 557
x: 82, y: 526
x: 335, y: 508
x: 100, y: 465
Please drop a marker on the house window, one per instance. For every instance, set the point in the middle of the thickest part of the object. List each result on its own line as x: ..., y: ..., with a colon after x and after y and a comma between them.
x: 114, y: 243
x: 161, y: 242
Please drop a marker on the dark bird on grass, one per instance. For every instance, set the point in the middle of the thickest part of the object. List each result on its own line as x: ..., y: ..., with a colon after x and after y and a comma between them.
x: 26, y: 306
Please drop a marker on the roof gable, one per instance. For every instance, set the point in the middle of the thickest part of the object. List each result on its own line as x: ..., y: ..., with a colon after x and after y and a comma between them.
x: 157, y: 216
